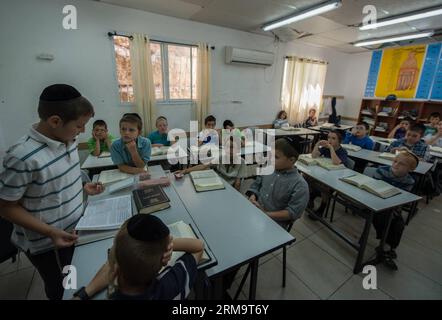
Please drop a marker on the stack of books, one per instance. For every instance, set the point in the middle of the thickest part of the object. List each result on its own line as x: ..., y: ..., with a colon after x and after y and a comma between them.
x: 206, y: 180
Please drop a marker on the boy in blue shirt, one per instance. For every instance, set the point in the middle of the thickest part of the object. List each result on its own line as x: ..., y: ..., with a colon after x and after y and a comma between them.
x: 358, y: 136
x: 158, y: 138
x: 142, y: 246
x: 131, y: 152
x: 400, y: 130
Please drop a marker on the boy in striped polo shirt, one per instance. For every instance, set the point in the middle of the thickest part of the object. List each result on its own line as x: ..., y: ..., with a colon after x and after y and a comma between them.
x: 41, y: 191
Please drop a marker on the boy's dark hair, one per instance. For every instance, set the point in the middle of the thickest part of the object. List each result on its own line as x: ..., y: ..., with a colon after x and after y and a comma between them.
x: 338, y: 134
x: 65, y: 102
x: 286, y: 148
x: 132, y: 118
x: 133, y: 114
x: 159, y: 119
x: 140, y: 245
x: 434, y: 115
x: 209, y: 119
x: 363, y: 123
x: 227, y: 123
x: 410, y: 121
x: 278, y: 115
x: 99, y: 123
x: 419, y: 128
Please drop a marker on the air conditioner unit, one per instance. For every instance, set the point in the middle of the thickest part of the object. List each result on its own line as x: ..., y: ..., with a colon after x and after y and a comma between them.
x: 249, y: 57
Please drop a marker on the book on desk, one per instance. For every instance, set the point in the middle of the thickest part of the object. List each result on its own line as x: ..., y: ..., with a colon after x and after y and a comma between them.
x: 325, y: 163
x: 150, y: 199
x: 377, y: 187
x: 351, y: 147
x: 105, y: 154
x: 387, y: 156
x: 206, y: 180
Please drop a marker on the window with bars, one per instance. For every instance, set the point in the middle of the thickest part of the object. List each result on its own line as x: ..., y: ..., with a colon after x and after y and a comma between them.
x: 173, y: 66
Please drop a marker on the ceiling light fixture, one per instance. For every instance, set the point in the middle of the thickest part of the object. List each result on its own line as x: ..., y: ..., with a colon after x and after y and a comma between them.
x: 403, y: 18
x: 369, y: 42
x: 304, y: 14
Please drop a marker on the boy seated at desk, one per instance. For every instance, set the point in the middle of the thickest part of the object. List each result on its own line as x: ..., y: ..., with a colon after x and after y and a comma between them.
x: 282, y: 195
x: 435, y: 139
x: 431, y: 127
x: 412, y: 141
x: 101, y: 140
x: 232, y: 172
x: 131, y: 152
x: 397, y: 175
x: 400, y: 130
x: 312, y: 120
x: 358, y: 136
x: 142, y: 246
x: 209, y: 134
x: 281, y: 120
x: 332, y: 149
x: 158, y: 138
x: 229, y: 128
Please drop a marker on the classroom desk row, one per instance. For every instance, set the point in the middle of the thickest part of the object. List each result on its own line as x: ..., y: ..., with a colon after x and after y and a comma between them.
x: 370, y: 205
x: 234, y: 230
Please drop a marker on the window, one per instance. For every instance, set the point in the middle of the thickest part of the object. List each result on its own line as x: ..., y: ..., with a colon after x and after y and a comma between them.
x: 173, y: 67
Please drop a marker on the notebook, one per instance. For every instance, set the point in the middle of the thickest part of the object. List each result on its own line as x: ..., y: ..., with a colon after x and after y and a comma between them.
x: 106, y: 214
x: 351, y: 147
x: 158, y: 151
x: 325, y: 163
x: 180, y: 229
x: 387, y: 155
x: 150, y: 199
x: 377, y: 187
x: 206, y: 180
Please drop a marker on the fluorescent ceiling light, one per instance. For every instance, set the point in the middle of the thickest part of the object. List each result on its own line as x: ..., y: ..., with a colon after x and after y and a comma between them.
x: 365, y: 43
x: 416, y: 16
x: 313, y: 11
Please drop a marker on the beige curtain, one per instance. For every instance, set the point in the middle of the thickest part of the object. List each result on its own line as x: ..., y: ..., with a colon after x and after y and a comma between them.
x: 142, y: 75
x: 203, y: 76
x: 302, y: 88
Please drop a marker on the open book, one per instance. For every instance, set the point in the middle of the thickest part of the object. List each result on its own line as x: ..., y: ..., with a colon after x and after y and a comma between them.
x: 180, y: 229
x: 351, y: 147
x: 158, y: 151
x: 206, y: 180
x: 88, y: 236
x: 377, y: 187
x: 325, y: 163
x: 436, y: 149
x: 106, y: 214
x: 104, y: 154
x: 110, y: 176
x: 386, y: 140
x: 290, y: 129
x: 387, y: 155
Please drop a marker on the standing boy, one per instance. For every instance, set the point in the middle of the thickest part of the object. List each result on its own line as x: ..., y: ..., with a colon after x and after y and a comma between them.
x: 41, y: 188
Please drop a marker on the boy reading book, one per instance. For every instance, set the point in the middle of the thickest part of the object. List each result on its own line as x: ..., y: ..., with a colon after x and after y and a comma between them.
x: 101, y: 140
x: 131, y: 152
x: 330, y: 148
x: 412, y: 141
x: 141, y: 248
x: 41, y: 190
x: 397, y: 175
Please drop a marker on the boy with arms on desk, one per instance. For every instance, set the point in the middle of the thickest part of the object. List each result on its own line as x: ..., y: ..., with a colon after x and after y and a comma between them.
x: 142, y: 246
x: 397, y: 175
x: 41, y: 191
x: 433, y: 120
x: 158, y: 138
x: 101, y: 140
x: 400, y: 130
x: 412, y: 141
x: 282, y: 195
x: 131, y: 152
x: 358, y: 136
x: 209, y: 134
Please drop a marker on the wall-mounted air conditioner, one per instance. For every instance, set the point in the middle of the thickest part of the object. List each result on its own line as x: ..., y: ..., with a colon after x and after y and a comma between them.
x: 249, y: 57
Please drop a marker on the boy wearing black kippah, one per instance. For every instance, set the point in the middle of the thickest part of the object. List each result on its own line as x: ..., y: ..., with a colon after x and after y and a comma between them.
x: 142, y: 246
x: 41, y: 191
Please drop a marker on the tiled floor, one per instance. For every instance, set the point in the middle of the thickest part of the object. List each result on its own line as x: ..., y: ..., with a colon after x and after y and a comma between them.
x: 319, y: 264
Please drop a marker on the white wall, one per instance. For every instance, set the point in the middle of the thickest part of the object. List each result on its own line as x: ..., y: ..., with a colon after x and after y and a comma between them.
x: 84, y: 58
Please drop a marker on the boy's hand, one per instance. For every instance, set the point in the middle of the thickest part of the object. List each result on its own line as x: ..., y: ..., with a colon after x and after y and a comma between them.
x: 168, y: 254
x: 131, y: 146
x: 63, y: 239
x: 323, y: 143
x: 252, y: 198
x: 93, y: 188
x: 95, y: 136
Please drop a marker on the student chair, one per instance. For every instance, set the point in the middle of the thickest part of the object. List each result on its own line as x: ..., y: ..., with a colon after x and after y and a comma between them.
x: 350, y: 163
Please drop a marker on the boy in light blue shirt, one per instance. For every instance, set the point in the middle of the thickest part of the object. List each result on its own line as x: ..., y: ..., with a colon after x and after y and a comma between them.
x: 131, y: 152
x: 158, y: 138
x: 359, y: 136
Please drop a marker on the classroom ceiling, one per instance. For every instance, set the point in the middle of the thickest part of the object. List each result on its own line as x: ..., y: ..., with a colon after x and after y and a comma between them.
x: 336, y: 29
